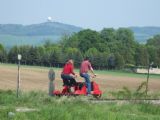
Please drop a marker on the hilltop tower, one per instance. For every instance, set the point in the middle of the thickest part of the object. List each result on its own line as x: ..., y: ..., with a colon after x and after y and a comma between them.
x: 49, y: 19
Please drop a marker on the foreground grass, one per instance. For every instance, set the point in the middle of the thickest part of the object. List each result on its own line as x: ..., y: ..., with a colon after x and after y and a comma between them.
x: 106, y: 72
x: 79, y: 108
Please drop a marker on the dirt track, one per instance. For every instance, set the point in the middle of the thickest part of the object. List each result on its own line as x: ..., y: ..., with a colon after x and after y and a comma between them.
x: 37, y: 79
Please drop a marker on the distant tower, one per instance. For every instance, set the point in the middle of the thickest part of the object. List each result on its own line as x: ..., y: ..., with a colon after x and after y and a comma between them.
x: 49, y: 19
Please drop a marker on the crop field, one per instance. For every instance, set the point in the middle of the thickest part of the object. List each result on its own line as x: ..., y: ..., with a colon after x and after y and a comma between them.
x: 36, y: 79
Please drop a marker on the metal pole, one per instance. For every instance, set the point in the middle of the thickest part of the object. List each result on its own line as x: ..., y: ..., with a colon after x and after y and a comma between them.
x: 18, y: 79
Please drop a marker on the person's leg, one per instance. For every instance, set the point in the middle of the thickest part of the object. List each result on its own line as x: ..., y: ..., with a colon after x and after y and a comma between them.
x: 65, y: 80
x: 87, y: 81
x: 72, y: 81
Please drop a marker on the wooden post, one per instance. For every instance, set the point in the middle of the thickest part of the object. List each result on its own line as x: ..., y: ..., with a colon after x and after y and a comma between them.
x: 147, y: 80
x: 150, y: 65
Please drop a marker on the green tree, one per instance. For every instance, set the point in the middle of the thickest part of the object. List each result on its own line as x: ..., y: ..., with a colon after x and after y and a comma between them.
x: 158, y: 57
x: 40, y: 54
x: 108, y: 43
x: 32, y: 57
x: 25, y: 52
x: 12, y: 54
x: 153, y: 46
x: 56, y: 56
x: 69, y: 41
x: 52, y: 55
x: 119, y: 61
x: 153, y: 55
x: 108, y: 35
x: 155, y: 41
x: 126, y: 45
x: 142, y: 56
x: 111, y: 61
x: 3, y: 54
x: 88, y: 39
x: 75, y: 54
x: 91, y: 53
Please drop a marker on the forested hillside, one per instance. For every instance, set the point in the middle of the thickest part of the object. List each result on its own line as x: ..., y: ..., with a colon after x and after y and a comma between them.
x: 37, y: 34
x: 47, y: 28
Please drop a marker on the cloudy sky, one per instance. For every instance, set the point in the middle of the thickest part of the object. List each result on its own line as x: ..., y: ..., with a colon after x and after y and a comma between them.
x: 94, y: 14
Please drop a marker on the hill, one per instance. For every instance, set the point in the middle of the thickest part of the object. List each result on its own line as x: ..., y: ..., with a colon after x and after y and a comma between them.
x: 47, y: 28
x: 143, y: 33
x: 35, y: 34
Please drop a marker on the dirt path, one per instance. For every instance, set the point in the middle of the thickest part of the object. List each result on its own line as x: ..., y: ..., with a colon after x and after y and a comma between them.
x: 37, y: 79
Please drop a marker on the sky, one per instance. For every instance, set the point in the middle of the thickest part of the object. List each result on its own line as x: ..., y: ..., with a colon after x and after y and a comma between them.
x: 93, y: 14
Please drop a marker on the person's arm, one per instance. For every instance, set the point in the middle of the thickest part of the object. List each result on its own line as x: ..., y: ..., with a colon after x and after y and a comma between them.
x: 71, y: 69
x: 91, y: 69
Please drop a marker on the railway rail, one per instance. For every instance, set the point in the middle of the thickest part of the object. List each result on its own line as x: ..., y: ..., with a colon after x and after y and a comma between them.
x: 103, y: 100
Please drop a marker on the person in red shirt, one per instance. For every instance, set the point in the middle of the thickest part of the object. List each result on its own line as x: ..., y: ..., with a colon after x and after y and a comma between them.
x: 68, y: 74
x: 84, y: 69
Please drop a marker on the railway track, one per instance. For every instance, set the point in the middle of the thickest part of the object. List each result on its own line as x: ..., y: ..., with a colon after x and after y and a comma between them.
x: 152, y: 101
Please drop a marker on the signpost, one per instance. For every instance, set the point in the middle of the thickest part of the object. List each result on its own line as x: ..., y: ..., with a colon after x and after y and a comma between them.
x: 18, y: 77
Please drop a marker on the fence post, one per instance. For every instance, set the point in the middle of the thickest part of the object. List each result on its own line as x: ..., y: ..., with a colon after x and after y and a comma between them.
x: 150, y: 65
x: 18, y: 77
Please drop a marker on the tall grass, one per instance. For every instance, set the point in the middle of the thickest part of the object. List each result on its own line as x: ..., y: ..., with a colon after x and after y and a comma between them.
x: 71, y: 108
x: 139, y: 93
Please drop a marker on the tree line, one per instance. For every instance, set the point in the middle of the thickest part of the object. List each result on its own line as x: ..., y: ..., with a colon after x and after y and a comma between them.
x: 107, y: 49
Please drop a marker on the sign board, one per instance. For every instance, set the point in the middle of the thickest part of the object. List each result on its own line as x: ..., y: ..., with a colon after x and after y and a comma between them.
x: 19, y: 56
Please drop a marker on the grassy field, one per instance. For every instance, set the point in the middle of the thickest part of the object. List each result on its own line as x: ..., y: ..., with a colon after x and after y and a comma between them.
x: 73, y: 108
